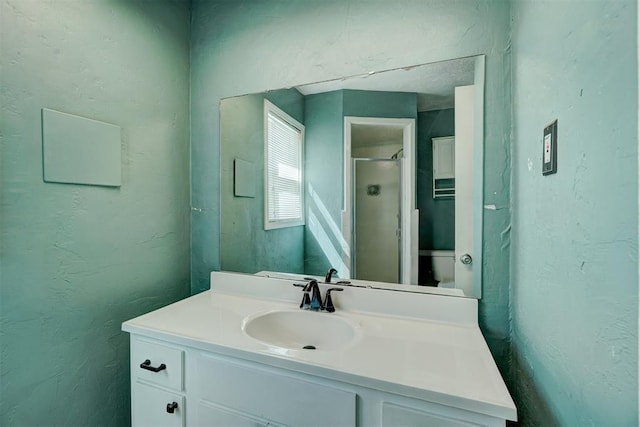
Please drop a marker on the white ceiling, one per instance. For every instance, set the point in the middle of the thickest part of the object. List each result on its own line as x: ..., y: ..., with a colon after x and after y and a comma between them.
x: 434, y: 83
x: 368, y: 135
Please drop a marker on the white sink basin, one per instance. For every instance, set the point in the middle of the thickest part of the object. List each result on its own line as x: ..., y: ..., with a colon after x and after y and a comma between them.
x: 301, y: 330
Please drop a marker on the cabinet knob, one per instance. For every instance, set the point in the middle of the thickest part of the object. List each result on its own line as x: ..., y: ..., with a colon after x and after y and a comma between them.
x: 147, y: 365
x: 171, y: 407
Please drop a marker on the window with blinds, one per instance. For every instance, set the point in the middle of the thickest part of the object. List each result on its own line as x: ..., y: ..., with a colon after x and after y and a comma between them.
x: 284, y: 145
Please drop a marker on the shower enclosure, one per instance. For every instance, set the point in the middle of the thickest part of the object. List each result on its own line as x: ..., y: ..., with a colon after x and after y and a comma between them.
x: 377, y: 219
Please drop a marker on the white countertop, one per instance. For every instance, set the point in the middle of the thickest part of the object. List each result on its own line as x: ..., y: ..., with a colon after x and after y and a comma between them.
x: 445, y: 362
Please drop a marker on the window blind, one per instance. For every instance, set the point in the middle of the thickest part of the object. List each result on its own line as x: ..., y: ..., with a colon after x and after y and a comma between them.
x: 284, y: 171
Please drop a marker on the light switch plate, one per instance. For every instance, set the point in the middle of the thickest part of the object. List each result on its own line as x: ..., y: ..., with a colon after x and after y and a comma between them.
x: 550, y: 149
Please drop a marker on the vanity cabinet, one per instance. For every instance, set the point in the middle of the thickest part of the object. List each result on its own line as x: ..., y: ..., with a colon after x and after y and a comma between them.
x: 208, y: 389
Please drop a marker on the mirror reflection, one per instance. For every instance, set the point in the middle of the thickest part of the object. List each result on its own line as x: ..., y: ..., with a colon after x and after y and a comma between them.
x: 372, y: 175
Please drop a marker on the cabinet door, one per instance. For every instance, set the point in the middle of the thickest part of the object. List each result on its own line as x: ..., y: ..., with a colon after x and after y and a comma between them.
x: 443, y: 158
x: 149, y: 407
x: 270, y: 394
x: 214, y: 415
x: 400, y: 416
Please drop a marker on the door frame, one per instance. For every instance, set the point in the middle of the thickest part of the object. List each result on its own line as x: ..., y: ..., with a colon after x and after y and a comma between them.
x: 409, y: 217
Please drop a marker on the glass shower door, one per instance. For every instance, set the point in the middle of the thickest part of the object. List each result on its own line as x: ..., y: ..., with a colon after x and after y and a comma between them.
x: 376, y: 215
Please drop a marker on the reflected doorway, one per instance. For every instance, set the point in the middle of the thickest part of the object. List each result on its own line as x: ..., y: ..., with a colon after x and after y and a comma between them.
x: 380, y: 219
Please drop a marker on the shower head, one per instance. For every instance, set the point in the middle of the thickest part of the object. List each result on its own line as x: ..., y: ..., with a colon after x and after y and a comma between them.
x: 397, y: 153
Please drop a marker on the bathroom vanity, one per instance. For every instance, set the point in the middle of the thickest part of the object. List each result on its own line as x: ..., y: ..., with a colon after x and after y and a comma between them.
x: 244, y: 354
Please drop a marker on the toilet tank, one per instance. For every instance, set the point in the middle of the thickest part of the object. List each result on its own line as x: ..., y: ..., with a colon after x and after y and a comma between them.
x: 442, y: 264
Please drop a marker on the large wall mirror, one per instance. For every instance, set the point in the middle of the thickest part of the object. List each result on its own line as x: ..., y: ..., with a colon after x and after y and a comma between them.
x: 378, y: 176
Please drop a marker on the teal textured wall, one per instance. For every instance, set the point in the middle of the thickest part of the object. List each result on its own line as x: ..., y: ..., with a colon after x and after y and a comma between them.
x: 249, y: 247
x: 365, y: 103
x: 296, y: 42
x: 575, y: 234
x: 323, y: 178
x: 77, y: 260
x: 437, y: 216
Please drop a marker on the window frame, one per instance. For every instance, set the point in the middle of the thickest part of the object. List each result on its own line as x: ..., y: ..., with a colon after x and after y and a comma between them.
x: 270, y: 108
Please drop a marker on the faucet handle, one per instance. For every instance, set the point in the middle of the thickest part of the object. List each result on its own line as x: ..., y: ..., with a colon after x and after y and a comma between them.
x: 306, y: 301
x: 316, y: 297
x: 328, y: 302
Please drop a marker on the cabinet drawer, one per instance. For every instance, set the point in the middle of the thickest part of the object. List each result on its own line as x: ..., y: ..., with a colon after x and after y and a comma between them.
x: 149, y: 407
x: 157, y: 363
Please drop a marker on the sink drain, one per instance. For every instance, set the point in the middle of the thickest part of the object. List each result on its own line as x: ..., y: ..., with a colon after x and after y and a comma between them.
x: 309, y: 347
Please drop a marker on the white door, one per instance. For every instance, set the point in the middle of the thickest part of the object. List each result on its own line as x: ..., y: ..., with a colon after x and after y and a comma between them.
x: 464, y: 110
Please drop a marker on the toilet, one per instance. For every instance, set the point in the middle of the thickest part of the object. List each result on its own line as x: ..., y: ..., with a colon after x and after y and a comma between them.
x: 442, y: 266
